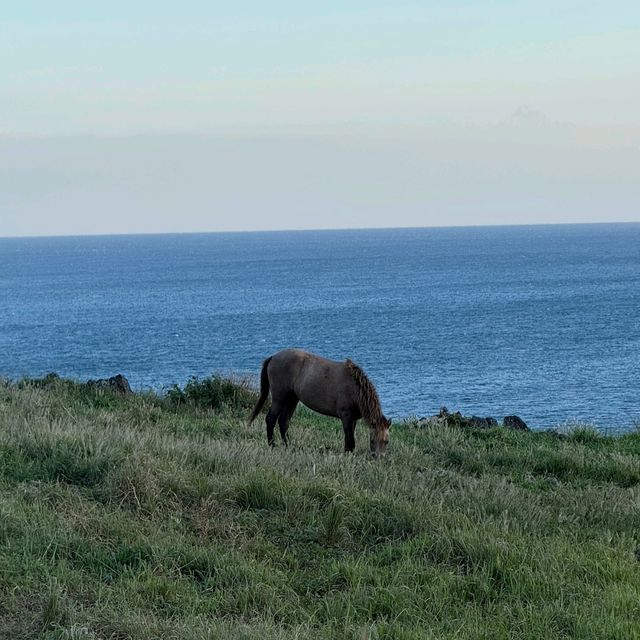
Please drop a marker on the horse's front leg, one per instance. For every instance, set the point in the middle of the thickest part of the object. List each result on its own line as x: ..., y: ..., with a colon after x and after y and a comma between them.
x: 349, y: 428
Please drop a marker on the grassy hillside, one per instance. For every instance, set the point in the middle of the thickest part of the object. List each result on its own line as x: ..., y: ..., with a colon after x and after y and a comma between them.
x: 147, y: 517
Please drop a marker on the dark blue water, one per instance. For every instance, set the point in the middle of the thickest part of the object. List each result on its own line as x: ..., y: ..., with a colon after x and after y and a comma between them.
x: 539, y: 321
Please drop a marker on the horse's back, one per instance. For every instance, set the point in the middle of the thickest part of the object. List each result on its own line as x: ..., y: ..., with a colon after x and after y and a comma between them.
x: 322, y: 384
x: 297, y: 358
x: 287, y: 359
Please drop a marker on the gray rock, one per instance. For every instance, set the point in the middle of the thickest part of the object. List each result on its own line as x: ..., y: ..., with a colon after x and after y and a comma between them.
x: 117, y: 384
x: 435, y: 421
x: 514, y: 422
x: 444, y: 418
x: 482, y: 423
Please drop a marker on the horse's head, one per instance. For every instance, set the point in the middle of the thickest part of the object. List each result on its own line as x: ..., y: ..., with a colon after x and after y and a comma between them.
x: 379, y: 437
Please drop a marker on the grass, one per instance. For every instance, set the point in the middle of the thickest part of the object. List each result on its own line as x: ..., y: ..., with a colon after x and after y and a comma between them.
x: 166, y: 517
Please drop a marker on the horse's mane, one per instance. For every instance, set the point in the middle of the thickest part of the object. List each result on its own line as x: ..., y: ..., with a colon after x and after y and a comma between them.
x: 368, y: 399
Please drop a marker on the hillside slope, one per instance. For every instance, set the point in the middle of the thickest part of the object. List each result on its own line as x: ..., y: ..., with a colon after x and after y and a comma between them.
x: 147, y: 517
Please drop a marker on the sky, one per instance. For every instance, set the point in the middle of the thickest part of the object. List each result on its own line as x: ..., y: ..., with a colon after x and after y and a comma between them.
x: 126, y: 117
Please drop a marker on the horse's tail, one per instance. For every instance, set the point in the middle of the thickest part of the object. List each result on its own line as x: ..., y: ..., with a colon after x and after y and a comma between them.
x: 264, y: 390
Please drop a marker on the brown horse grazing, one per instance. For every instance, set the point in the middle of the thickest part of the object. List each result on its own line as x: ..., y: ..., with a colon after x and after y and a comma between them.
x: 338, y: 389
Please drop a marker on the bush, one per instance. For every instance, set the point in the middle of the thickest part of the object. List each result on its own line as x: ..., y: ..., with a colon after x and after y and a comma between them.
x: 215, y: 392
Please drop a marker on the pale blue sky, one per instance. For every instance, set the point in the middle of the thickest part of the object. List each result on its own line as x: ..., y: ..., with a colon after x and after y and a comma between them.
x: 498, y: 82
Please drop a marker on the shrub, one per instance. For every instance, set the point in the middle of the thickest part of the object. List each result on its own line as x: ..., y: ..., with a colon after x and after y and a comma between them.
x: 215, y: 392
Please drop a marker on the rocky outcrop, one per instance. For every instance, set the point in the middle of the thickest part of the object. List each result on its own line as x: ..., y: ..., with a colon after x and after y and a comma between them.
x: 116, y: 384
x: 435, y: 421
x: 444, y: 418
x: 514, y: 422
x: 483, y: 423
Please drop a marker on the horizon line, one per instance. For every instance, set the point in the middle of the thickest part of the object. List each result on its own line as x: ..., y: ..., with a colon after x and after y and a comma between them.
x: 317, y: 229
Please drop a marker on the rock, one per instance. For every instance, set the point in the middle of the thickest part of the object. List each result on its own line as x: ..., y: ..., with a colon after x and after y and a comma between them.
x: 514, y: 422
x: 474, y: 422
x: 454, y: 419
x: 444, y: 418
x: 435, y: 421
x: 117, y: 384
x: 483, y: 423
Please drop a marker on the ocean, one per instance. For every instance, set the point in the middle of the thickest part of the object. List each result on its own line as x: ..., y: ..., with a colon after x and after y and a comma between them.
x: 538, y: 321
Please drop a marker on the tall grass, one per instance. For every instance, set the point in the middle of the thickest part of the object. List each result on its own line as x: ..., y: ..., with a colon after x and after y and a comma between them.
x: 150, y: 517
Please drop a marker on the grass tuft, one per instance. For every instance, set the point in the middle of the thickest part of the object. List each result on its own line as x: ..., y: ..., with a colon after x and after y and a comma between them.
x: 260, y: 491
x: 334, y: 521
x: 56, y: 612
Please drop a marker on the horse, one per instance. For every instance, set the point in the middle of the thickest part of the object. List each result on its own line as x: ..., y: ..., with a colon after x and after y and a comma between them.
x: 338, y: 389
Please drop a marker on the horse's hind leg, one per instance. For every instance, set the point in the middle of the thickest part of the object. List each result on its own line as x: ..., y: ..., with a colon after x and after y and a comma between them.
x: 285, y: 415
x: 271, y: 419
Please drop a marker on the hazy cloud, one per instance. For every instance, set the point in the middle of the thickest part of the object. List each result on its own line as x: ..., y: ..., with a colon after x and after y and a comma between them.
x: 537, y: 172
x: 527, y: 116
